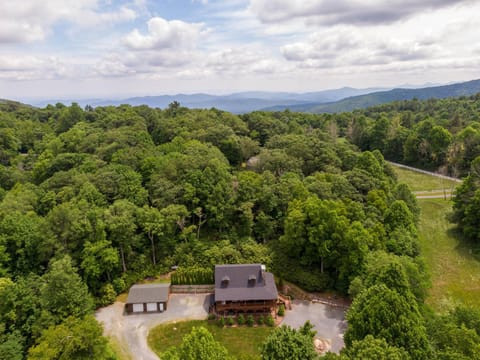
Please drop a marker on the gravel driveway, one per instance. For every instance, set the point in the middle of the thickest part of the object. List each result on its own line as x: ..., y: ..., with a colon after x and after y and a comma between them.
x: 328, y: 321
x: 131, y: 331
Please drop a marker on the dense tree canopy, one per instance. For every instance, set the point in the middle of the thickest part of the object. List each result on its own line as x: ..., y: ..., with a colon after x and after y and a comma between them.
x: 93, y: 200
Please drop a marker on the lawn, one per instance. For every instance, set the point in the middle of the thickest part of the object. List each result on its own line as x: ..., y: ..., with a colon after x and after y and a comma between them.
x: 423, y: 182
x: 455, y: 271
x: 245, y: 341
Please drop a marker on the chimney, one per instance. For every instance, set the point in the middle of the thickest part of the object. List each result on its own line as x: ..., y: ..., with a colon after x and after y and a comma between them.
x: 263, y: 269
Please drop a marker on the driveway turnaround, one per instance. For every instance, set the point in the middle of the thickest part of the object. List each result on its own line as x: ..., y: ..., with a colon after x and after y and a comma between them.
x: 328, y: 321
x: 131, y: 331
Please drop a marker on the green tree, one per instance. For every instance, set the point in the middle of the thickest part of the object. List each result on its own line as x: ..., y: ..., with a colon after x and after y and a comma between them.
x: 63, y: 292
x: 370, y: 348
x: 73, y: 339
x: 121, y: 226
x: 286, y: 343
x: 11, y: 345
x: 99, y: 259
x: 198, y: 345
x: 384, y: 313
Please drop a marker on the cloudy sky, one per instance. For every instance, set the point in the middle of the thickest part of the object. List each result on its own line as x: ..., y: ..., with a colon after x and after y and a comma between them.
x: 116, y: 48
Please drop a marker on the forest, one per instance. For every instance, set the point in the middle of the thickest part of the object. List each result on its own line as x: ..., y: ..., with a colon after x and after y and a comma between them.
x: 93, y: 200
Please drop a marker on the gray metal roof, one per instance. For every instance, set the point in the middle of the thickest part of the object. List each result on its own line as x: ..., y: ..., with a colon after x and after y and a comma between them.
x: 239, y: 287
x: 146, y: 293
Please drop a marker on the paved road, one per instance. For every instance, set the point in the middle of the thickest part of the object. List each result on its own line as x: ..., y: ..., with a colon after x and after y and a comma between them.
x: 422, y: 194
x: 426, y: 172
x: 131, y: 331
x: 328, y: 321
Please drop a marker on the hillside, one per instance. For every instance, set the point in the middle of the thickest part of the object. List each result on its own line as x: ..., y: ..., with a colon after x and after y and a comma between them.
x: 241, y: 102
x: 382, y: 97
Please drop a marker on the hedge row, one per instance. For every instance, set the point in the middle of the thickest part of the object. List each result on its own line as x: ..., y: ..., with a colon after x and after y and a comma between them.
x: 192, y: 276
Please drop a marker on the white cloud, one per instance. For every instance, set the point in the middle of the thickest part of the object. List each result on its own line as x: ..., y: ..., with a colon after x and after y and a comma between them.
x: 33, y: 20
x: 164, y: 34
x: 32, y: 67
x: 112, y: 68
x: 328, y: 12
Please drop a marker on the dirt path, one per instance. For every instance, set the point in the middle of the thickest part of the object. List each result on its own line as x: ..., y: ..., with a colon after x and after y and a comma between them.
x: 131, y: 331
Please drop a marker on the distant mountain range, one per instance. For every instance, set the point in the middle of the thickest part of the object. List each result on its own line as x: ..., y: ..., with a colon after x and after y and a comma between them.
x: 241, y: 102
x: 327, y: 101
x: 381, y: 97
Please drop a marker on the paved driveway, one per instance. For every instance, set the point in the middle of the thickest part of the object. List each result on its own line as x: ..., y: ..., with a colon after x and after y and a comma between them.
x: 328, y: 321
x: 131, y: 331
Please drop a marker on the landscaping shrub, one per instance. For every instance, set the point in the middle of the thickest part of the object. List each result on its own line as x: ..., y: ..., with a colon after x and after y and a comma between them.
x: 107, y: 295
x: 221, y: 322
x: 119, y: 285
x: 230, y: 321
x: 250, y: 320
x: 281, y: 310
x: 211, y: 316
x: 269, y: 320
x: 260, y: 320
x: 241, y: 319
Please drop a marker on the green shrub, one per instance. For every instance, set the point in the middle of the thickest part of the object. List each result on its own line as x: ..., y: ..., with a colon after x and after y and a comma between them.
x: 241, y: 319
x: 230, y: 321
x: 119, y: 285
x: 281, y: 310
x: 107, y: 295
x: 211, y: 316
x: 250, y: 320
x: 270, y: 321
x: 221, y: 322
x: 260, y: 320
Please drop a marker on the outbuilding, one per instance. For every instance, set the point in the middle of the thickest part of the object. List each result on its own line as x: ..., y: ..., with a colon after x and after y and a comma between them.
x: 147, y: 298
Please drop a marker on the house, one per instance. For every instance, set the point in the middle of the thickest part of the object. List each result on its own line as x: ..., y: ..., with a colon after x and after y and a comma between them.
x: 246, y: 288
x: 147, y: 298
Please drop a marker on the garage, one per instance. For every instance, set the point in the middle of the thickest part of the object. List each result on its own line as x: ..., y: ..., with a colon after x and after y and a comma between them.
x: 137, y: 307
x: 147, y: 298
x: 152, y: 307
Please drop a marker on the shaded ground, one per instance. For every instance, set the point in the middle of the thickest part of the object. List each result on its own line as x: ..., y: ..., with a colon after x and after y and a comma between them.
x: 131, y: 331
x: 329, y: 321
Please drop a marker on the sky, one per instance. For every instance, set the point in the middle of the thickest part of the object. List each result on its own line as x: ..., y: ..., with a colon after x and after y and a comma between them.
x: 118, y: 48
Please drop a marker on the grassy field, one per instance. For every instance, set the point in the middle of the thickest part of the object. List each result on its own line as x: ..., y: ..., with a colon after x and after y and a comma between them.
x: 455, y: 271
x: 238, y: 340
x: 423, y: 182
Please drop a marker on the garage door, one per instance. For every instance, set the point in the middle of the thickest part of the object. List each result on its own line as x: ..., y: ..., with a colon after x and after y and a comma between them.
x: 152, y: 307
x: 161, y: 306
x: 137, y: 307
